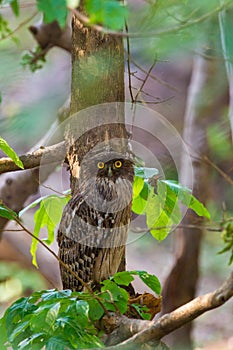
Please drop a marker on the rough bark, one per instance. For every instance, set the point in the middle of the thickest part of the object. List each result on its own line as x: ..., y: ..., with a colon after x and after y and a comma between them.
x: 97, y: 78
x: 202, y: 103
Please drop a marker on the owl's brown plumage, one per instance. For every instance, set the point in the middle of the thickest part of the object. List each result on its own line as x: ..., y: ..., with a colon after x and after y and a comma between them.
x: 94, y: 225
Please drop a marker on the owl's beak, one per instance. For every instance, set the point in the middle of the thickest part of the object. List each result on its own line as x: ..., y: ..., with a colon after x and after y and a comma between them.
x: 109, y: 171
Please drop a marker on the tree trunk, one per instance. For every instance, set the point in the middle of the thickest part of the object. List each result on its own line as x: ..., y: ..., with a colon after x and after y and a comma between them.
x: 97, y: 78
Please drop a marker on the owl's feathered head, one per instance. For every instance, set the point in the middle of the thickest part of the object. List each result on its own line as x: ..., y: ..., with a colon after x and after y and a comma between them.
x: 109, y: 165
x: 106, y: 180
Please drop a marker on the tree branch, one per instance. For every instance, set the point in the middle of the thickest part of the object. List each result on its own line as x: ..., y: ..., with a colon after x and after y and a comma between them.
x: 31, y: 160
x: 85, y: 20
x: 146, y: 331
x: 16, y: 187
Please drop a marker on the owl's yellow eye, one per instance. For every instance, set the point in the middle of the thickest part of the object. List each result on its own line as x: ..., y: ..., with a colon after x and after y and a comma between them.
x: 100, y: 165
x: 118, y: 163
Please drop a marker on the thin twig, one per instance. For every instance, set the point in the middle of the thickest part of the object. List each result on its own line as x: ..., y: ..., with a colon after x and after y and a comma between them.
x: 22, y: 24
x: 172, y: 227
x: 146, y: 78
x: 155, y: 102
x: 160, y: 81
x: 128, y: 64
x: 146, y: 93
x: 220, y: 171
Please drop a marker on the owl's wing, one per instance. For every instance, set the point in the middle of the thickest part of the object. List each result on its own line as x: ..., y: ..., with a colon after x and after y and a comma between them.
x: 71, y: 233
x: 91, y: 243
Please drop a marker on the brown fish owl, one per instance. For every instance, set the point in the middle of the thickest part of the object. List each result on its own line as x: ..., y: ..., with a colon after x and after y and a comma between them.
x: 93, y: 229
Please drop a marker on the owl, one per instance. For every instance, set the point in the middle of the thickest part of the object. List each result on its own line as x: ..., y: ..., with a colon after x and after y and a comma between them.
x: 93, y: 230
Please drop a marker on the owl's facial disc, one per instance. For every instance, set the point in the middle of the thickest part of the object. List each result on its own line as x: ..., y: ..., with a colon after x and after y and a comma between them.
x: 110, y: 167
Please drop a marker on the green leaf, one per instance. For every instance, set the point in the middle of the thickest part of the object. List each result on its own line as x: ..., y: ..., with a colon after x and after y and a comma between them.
x: 18, y: 330
x: 153, y: 209
x: 38, y: 200
x: 15, y: 7
x: 142, y: 311
x: 57, y: 343
x: 150, y: 280
x: 32, y: 205
x: 52, y: 314
x: 27, y: 344
x: 3, y: 332
x: 161, y: 227
x: 140, y: 202
x: 82, y: 309
x: 123, y: 278
x: 10, y: 153
x: 28, y: 59
x: 4, y: 28
x: 185, y: 196
x: 137, y: 185
x: 170, y: 202
x: 48, y: 215
x: 16, y: 312
x: 54, y: 294
x: 111, y: 13
x: 13, y: 4
x: 54, y: 10
x: 7, y: 212
x: 139, y: 205
x: 117, y: 295
x: 95, y: 309
x: 145, y: 173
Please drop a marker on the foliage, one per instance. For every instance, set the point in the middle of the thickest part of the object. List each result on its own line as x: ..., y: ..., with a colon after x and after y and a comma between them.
x: 160, y: 205
x: 14, y: 4
x: 59, y: 320
x: 112, y: 14
x: 53, y: 10
x: 65, y: 319
x: 7, y: 213
x: 34, y: 59
x: 227, y: 236
x: 10, y: 153
x: 48, y: 215
x: 50, y: 319
x: 4, y: 28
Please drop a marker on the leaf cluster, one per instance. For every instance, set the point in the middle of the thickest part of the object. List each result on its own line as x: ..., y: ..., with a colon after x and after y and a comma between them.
x: 51, y: 319
x: 33, y: 59
x: 54, y: 319
x: 161, y: 203
x: 227, y: 236
x: 48, y: 215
